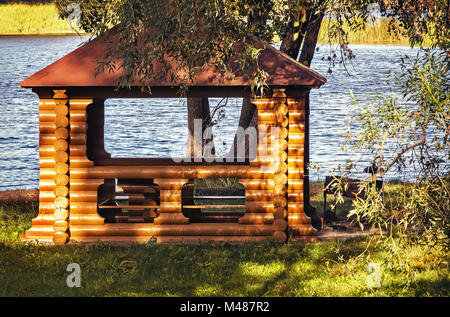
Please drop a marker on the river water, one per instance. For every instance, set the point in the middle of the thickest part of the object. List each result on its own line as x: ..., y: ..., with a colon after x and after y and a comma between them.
x: 157, y: 127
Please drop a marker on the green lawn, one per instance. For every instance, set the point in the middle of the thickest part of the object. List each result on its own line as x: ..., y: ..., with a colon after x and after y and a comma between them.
x: 253, y: 269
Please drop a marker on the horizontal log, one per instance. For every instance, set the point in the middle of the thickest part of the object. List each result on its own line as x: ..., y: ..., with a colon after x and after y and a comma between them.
x: 61, y: 214
x: 78, y: 127
x: 61, y: 145
x: 47, y: 127
x: 295, y: 196
x: 214, y: 206
x: 46, y: 196
x: 61, y: 110
x: 80, y: 161
x: 295, y: 174
x: 137, y: 207
x: 167, y: 239
x: 263, y: 103
x: 295, y: 208
x: 46, y: 151
x: 295, y: 103
x: 61, y: 180
x: 61, y: 121
x: 61, y: 202
x: 170, y: 219
x: 83, y: 196
x: 281, y: 109
x: 85, y: 184
x: 61, y: 191
x: 61, y: 156
x: 257, y: 184
x: 266, y: 117
x: 279, y: 236
x: 47, y: 116
x: 296, y: 138
x: 298, y: 218
x: 170, y: 184
x: 280, y: 213
x: 255, y: 218
x: 46, y: 207
x: 279, y: 189
x: 296, y: 128
x: 282, y: 120
x: 280, y: 224
x: 280, y: 179
x: 83, y: 207
x: 80, y: 104
x: 46, y: 104
x: 47, y: 139
x: 295, y: 185
x: 39, y: 231
x: 61, y: 133
x: 60, y: 237
x: 78, y: 115
x: 182, y: 172
x: 279, y: 201
x: 43, y: 219
x: 78, y: 138
x: 77, y: 150
x: 61, y: 168
x: 47, y: 162
x: 302, y: 230
x: 296, y: 150
x: 61, y: 226
x: 84, y: 219
x: 296, y: 116
x: 259, y: 207
x: 192, y: 229
x: 47, y: 173
x: 258, y: 195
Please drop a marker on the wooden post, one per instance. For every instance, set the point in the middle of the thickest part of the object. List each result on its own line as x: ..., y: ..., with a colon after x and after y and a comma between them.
x: 83, y: 191
x: 42, y: 225
x: 299, y: 223
x: 170, y: 209
x: 61, y: 167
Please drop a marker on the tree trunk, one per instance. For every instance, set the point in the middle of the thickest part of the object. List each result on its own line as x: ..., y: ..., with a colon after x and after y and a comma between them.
x: 198, y: 108
x: 310, y: 43
x: 248, y: 118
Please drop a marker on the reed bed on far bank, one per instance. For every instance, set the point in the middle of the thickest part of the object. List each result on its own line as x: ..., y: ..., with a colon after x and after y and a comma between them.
x: 39, y: 19
x: 376, y: 32
x: 36, y: 19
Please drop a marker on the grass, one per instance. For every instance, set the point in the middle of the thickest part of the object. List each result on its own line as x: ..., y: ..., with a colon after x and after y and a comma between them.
x: 252, y: 269
x: 36, y: 19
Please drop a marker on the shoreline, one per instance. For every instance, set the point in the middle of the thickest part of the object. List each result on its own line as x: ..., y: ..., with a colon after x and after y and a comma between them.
x: 70, y: 33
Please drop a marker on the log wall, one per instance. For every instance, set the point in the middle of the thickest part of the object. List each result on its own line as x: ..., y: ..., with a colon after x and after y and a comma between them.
x: 69, y: 181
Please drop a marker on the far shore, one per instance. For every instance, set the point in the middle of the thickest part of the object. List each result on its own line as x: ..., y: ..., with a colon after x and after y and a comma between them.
x: 19, y: 19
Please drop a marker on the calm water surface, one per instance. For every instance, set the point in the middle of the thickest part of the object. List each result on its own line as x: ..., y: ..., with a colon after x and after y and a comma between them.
x: 157, y: 127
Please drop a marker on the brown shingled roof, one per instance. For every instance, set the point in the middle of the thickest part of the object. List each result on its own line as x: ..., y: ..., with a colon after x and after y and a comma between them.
x: 78, y: 68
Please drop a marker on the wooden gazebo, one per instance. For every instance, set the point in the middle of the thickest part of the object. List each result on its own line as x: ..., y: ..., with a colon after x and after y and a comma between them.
x: 77, y: 175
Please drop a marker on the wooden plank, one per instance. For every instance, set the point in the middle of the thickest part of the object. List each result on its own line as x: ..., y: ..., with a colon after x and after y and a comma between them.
x: 213, y: 206
x: 128, y: 207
